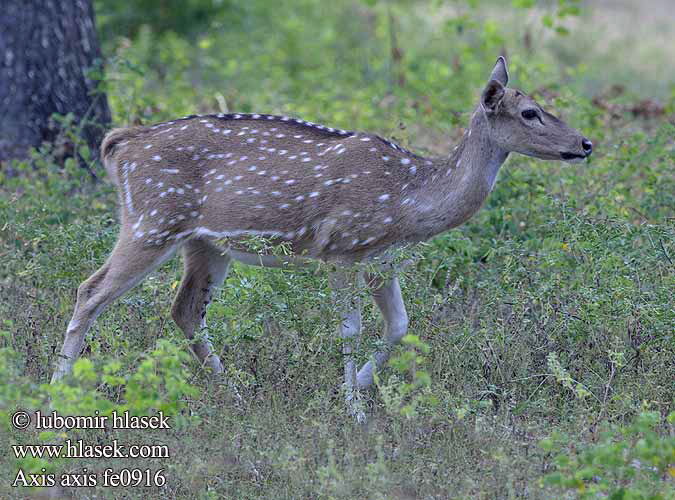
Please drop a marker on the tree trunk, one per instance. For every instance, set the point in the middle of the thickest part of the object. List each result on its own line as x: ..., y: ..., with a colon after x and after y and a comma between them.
x: 47, y: 48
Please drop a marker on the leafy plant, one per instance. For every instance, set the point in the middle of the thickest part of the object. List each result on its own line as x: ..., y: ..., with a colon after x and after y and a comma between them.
x: 632, y: 462
x: 408, y: 389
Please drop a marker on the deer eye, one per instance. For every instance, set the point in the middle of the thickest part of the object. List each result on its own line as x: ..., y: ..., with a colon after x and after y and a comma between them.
x: 529, y: 114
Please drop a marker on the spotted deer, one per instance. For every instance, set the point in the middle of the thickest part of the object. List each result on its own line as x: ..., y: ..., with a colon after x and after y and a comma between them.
x: 206, y: 183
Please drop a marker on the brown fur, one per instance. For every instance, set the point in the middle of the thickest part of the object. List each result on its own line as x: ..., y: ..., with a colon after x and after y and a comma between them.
x: 281, y: 191
x: 108, y: 145
x: 330, y: 194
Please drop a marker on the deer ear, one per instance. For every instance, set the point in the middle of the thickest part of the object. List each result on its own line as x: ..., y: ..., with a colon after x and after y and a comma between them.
x: 500, y: 72
x: 493, y: 93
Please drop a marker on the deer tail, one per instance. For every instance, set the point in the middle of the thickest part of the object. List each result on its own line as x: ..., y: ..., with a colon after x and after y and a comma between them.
x: 108, y: 147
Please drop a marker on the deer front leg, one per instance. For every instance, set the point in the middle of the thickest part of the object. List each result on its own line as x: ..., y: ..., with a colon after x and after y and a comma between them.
x: 205, y: 269
x: 387, y: 296
x: 345, y: 285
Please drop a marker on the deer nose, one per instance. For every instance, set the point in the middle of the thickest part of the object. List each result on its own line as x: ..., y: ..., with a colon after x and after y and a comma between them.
x: 587, y: 145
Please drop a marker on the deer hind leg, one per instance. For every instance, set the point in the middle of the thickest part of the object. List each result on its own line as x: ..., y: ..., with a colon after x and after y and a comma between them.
x: 205, y: 269
x: 127, y: 265
x: 387, y: 296
x: 345, y: 284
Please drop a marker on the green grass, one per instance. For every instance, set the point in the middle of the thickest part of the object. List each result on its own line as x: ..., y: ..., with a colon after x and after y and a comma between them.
x: 549, y: 315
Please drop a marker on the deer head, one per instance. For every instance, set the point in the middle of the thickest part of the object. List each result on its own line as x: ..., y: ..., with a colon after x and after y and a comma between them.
x: 516, y: 123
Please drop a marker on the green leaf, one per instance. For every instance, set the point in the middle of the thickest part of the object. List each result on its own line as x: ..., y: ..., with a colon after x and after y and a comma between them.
x: 83, y: 369
x: 85, y: 153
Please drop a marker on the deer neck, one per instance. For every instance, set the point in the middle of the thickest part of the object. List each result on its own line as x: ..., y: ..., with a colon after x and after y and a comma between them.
x: 460, y: 183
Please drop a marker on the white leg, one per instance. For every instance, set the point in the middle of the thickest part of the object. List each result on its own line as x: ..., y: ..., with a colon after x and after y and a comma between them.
x: 387, y: 296
x: 345, y: 285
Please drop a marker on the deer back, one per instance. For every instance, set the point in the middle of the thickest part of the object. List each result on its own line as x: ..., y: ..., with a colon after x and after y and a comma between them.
x: 325, y: 191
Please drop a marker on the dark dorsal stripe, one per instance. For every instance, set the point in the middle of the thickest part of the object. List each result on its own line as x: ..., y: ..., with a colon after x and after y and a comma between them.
x: 288, y: 120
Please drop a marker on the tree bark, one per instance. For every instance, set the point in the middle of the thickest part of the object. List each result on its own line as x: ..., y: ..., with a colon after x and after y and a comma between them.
x: 47, y: 48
